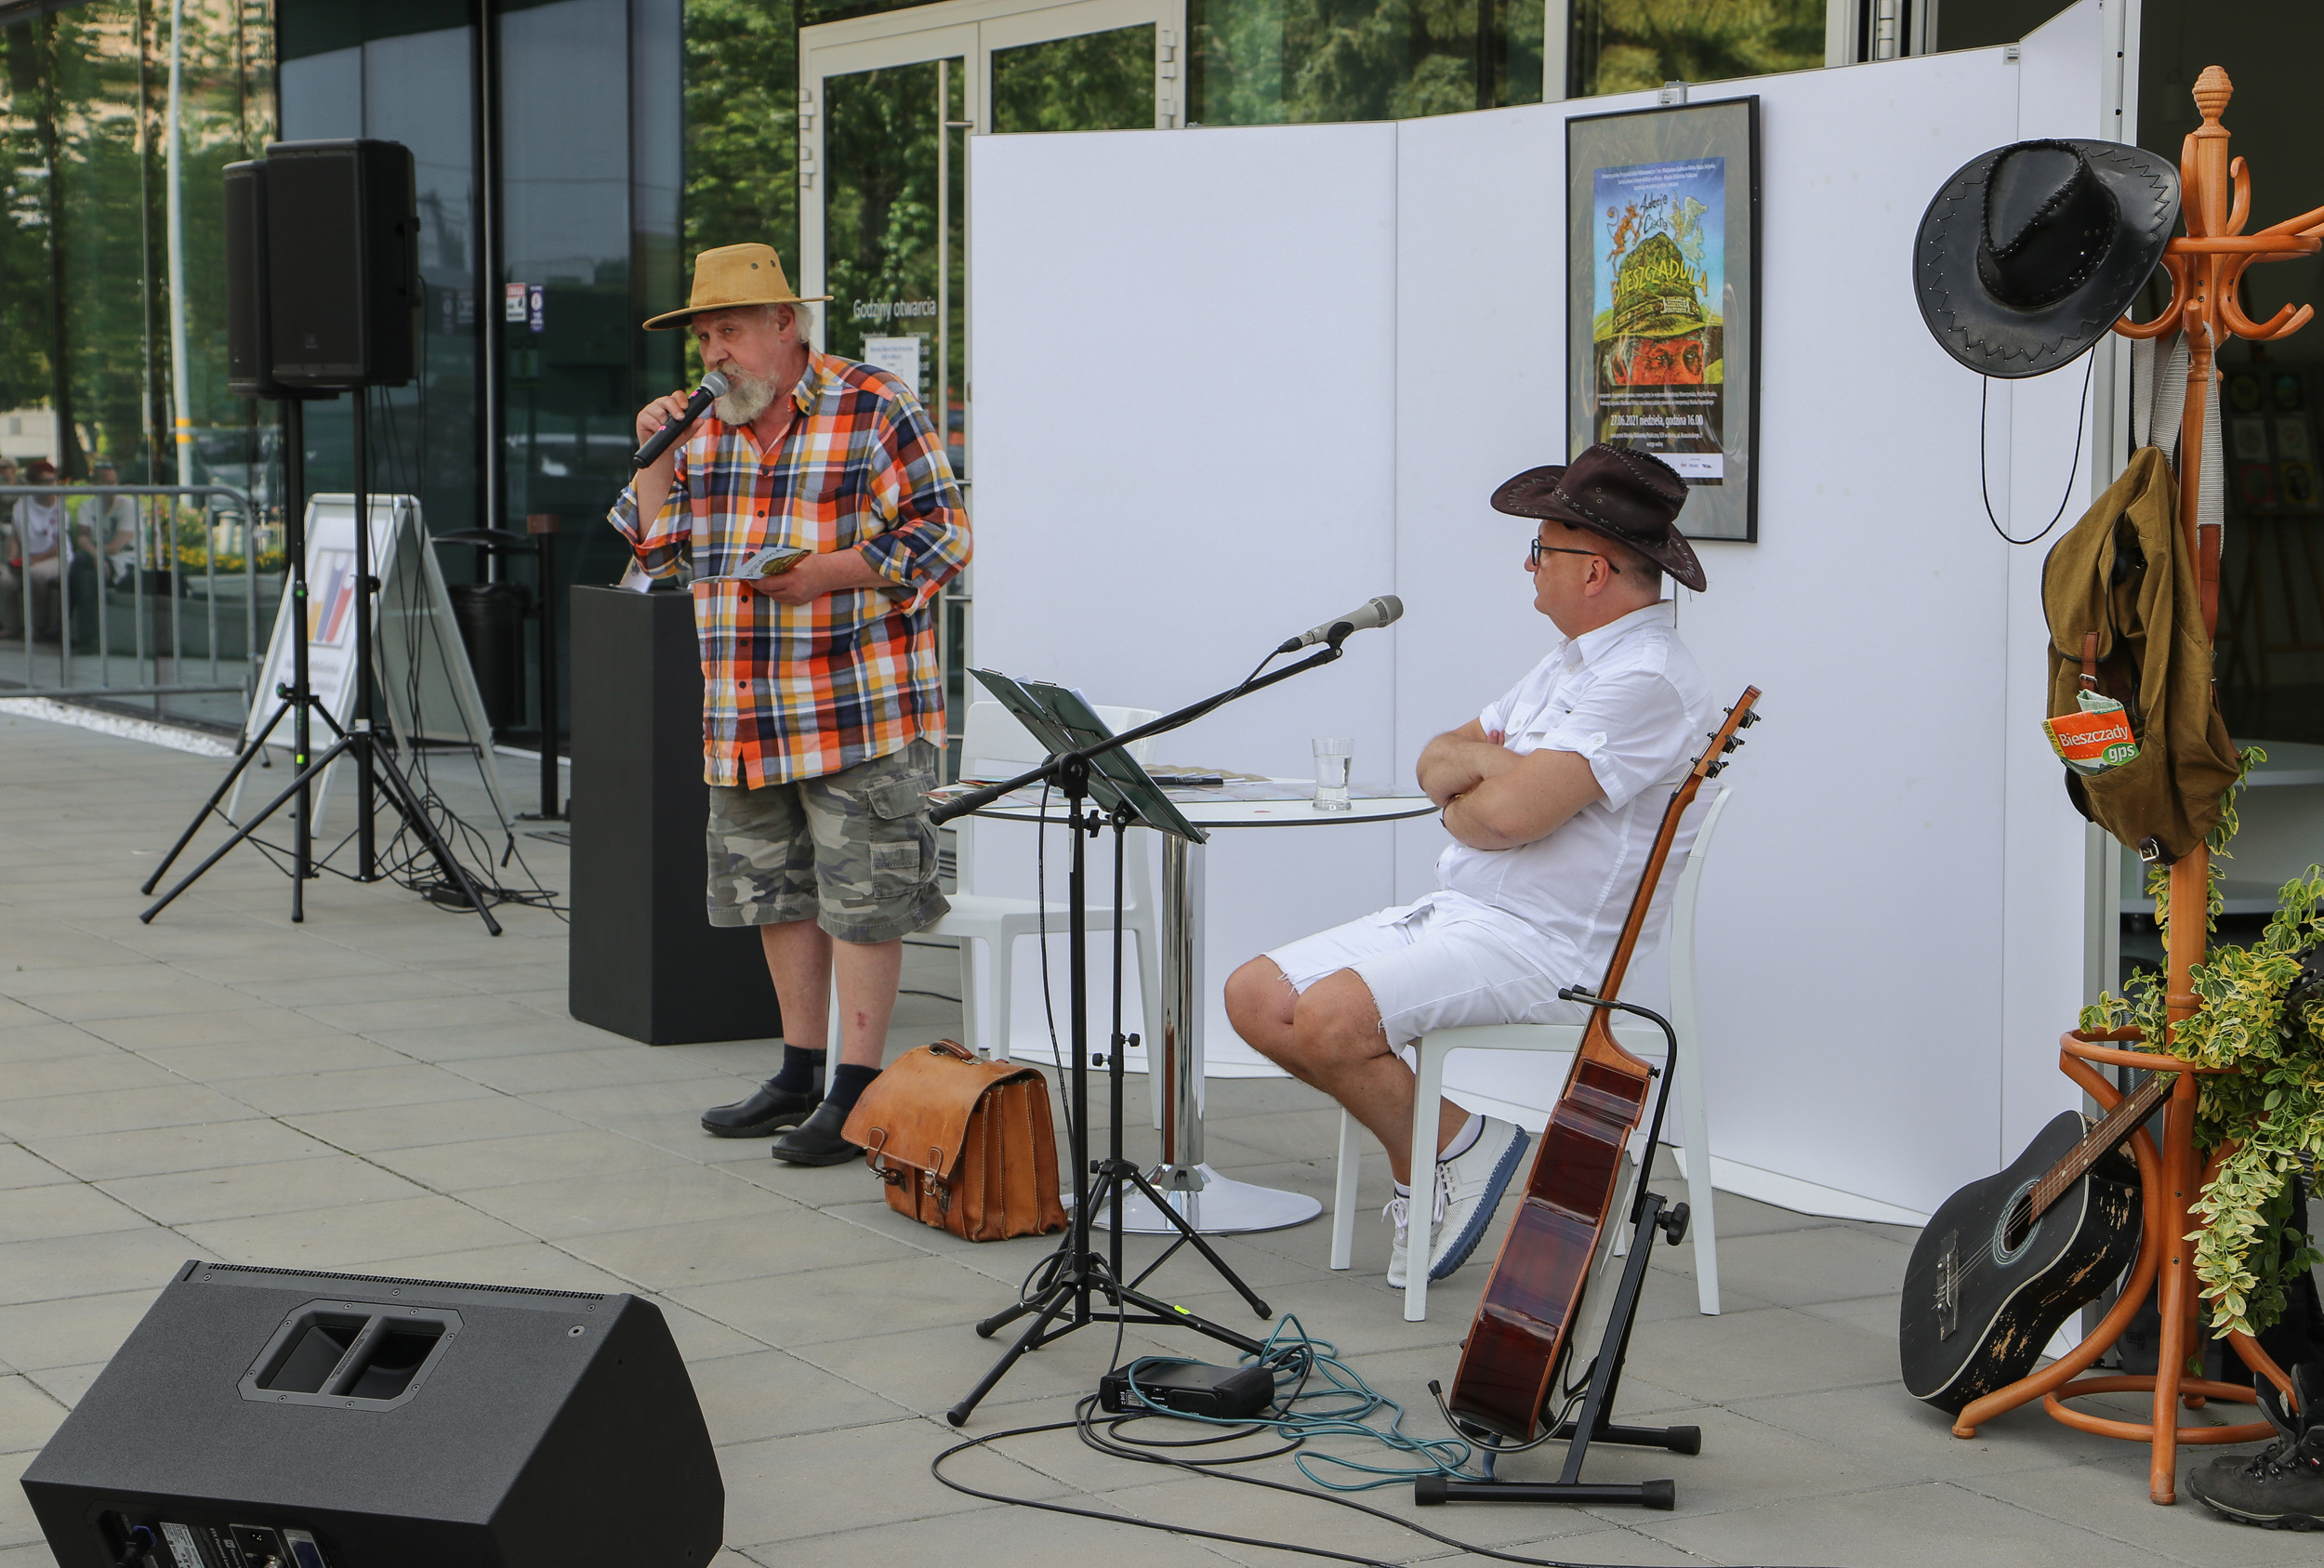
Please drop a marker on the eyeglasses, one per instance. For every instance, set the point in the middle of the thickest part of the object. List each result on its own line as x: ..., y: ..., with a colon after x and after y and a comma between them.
x: 1535, y: 551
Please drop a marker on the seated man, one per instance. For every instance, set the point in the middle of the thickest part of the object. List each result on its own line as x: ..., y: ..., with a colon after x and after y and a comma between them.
x: 1553, y: 795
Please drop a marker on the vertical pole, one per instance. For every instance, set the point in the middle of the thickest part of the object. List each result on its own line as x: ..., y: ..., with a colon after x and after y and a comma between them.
x: 366, y: 850
x: 182, y: 403
x: 545, y: 534
x: 294, y: 550
x: 492, y: 370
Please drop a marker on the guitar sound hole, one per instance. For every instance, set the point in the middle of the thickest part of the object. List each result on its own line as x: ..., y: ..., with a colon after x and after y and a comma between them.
x: 2016, y: 1227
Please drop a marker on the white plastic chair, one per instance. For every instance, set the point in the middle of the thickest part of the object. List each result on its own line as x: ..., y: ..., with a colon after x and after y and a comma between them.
x: 993, y: 735
x: 1635, y: 1034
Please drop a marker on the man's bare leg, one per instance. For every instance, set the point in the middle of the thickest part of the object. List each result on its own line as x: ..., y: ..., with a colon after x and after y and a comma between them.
x: 801, y: 957
x: 868, y: 975
x: 1330, y: 1038
x: 798, y: 960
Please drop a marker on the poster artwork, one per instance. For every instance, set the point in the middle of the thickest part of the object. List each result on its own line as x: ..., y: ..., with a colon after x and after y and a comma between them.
x: 1658, y: 271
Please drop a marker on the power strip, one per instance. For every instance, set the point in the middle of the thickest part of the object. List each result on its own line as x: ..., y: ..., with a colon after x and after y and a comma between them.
x: 1188, y: 1387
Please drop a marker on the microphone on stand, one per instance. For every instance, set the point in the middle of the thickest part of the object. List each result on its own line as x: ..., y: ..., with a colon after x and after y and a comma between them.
x: 714, y: 386
x: 1379, y: 612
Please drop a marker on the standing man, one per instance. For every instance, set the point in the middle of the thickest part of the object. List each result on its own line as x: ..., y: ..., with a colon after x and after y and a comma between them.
x: 823, y: 704
x: 1552, y: 796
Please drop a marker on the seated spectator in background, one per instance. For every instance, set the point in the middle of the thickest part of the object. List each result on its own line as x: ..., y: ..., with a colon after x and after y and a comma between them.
x: 34, y: 560
x: 107, y: 527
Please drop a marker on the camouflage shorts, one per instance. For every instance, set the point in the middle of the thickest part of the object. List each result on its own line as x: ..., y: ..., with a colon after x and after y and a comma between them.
x: 852, y: 851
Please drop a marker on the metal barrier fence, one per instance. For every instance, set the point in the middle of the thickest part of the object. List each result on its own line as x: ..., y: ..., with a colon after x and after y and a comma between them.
x: 170, y: 562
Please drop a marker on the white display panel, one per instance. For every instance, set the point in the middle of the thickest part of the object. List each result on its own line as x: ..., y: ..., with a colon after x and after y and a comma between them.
x: 1238, y: 380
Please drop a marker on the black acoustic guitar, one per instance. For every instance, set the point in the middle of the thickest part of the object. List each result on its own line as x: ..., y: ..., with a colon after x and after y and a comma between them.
x: 2007, y: 1259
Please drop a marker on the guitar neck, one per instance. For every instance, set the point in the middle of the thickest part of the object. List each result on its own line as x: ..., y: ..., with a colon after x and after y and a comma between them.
x: 2101, y: 1140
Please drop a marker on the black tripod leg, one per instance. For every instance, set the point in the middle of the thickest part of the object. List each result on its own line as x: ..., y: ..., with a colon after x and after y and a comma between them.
x: 987, y: 1327
x: 1180, y: 1317
x: 1060, y: 1296
x: 246, y: 831
x: 255, y: 749
x: 1187, y: 1233
x: 408, y: 803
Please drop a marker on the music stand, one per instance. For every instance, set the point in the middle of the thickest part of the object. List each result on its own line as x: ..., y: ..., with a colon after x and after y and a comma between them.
x: 1088, y: 763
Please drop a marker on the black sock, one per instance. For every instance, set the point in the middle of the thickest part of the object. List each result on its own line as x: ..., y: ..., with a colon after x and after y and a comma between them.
x: 847, y: 1081
x: 801, y: 1069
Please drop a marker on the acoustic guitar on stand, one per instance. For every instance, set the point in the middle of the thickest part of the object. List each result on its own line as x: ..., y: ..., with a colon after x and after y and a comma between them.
x: 1509, y: 1362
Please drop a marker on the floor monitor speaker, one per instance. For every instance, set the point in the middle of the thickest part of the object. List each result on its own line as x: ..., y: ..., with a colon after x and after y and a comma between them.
x: 249, y: 353
x: 342, y: 273
x: 284, y: 1418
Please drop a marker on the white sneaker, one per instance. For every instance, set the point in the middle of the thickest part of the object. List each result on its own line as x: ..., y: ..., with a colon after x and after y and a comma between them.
x: 1398, y: 1213
x: 1467, y: 1190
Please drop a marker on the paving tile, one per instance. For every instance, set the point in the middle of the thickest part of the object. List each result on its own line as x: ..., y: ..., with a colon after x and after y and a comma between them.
x: 28, y: 1416
x: 83, y: 1073
x: 102, y: 1157
x: 503, y: 1162
x: 57, y: 1115
x: 465, y: 1008
x: 46, y: 1041
x: 411, y: 1083
x: 20, y: 1167
x: 74, y: 1330
x: 381, y: 995
x: 240, y: 1192
x: 859, y: 1300
x: 410, y: 1126
x: 785, y: 1241
x: 669, y: 1196
x: 542, y: 1072
x: 1799, y: 1268
x: 535, y: 1265
x: 229, y: 1060
x: 771, y: 1393
x: 39, y: 1213
x: 352, y: 1235
x: 67, y: 1384
x: 1934, y: 1524
x: 1764, y: 1352
x: 66, y: 1267
x: 181, y: 995
x: 930, y: 1370
x: 244, y: 1025
x: 787, y: 1488
x: 501, y: 1039
x: 1013, y: 1536
x: 677, y: 1102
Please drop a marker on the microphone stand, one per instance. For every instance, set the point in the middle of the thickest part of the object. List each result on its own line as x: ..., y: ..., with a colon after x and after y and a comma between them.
x: 1079, y: 1285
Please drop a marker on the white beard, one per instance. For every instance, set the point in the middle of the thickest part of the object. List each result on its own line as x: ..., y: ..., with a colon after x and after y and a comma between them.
x: 747, y: 397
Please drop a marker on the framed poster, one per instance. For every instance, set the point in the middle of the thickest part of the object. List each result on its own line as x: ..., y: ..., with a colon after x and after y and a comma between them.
x: 1662, y: 298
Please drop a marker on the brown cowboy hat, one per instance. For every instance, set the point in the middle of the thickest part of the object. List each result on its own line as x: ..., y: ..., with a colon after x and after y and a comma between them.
x: 731, y: 277
x: 1631, y: 497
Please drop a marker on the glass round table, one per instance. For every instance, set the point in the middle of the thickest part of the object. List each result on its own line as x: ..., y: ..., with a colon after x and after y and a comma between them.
x: 1212, y: 1204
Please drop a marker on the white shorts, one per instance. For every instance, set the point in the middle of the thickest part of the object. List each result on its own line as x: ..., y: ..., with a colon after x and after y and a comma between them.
x: 1447, y: 962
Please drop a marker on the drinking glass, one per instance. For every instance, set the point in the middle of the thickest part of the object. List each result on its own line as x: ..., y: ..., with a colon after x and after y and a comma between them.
x: 1333, y: 755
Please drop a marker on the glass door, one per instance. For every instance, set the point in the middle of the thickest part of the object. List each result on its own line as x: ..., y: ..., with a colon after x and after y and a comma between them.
x: 886, y: 104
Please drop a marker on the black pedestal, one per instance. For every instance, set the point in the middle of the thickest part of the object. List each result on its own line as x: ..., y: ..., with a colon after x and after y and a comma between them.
x: 646, y: 962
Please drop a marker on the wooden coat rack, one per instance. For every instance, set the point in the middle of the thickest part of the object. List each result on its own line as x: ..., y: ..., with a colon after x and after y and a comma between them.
x: 2206, y: 266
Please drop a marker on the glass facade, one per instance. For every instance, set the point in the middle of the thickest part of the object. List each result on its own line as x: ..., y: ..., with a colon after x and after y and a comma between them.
x: 571, y: 155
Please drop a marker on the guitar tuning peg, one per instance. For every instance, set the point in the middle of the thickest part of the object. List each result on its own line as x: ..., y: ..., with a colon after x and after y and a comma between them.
x: 1749, y: 720
x: 1733, y: 742
x: 1714, y: 769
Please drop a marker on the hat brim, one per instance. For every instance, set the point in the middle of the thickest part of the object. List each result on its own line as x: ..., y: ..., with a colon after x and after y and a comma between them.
x: 671, y: 319
x: 2000, y: 340
x: 1534, y: 495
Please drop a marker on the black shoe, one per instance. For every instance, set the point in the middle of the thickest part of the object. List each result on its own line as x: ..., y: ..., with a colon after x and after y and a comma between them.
x: 2282, y: 1488
x: 817, y: 1142
x: 766, y: 1113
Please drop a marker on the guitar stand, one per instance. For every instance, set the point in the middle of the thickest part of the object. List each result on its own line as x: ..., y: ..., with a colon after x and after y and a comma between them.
x: 1592, y: 1426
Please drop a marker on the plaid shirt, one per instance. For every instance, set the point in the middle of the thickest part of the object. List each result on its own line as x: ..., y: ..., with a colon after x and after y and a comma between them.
x: 797, y: 691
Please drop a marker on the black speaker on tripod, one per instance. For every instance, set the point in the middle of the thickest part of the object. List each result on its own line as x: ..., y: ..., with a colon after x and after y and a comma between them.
x: 342, y: 264
x: 284, y: 1419
x: 249, y: 342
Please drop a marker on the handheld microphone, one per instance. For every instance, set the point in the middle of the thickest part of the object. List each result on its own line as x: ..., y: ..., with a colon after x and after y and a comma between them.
x: 1379, y: 612
x: 714, y: 386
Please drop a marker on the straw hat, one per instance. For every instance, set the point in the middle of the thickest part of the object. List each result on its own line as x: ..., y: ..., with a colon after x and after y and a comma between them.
x: 729, y: 277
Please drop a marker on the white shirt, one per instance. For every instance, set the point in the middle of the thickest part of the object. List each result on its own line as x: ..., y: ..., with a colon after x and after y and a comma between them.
x: 1629, y: 699
x: 39, y: 524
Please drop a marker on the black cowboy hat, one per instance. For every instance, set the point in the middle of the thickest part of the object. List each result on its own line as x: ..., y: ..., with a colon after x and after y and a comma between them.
x: 1631, y: 497
x: 2029, y: 253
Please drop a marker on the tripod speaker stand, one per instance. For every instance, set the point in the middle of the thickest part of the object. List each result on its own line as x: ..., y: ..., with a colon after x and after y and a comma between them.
x: 1080, y: 1286
x: 315, y: 310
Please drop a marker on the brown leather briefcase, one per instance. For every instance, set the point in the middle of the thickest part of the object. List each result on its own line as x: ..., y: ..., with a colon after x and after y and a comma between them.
x: 964, y: 1144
